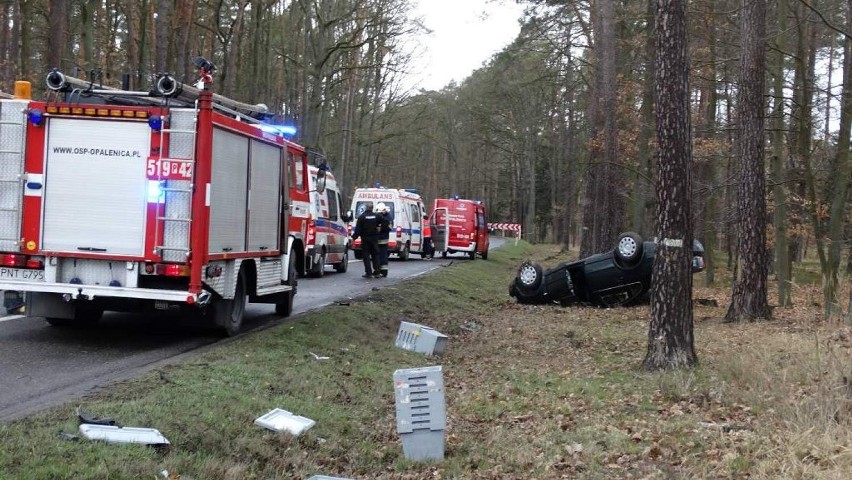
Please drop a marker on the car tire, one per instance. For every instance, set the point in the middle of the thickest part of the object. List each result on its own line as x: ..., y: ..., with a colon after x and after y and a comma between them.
x: 403, y: 254
x: 318, y: 269
x: 528, y: 280
x: 628, y: 249
x: 344, y: 264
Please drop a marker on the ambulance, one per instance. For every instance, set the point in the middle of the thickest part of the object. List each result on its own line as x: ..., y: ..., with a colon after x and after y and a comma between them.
x: 408, y: 213
x: 459, y: 225
x: 327, y: 236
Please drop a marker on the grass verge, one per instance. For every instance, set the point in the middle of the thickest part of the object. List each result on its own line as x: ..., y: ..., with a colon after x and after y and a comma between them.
x: 532, y: 392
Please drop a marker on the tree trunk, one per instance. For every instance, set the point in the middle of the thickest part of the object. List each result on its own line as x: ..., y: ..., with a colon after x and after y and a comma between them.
x: 782, y: 254
x: 670, y: 336
x: 749, y: 301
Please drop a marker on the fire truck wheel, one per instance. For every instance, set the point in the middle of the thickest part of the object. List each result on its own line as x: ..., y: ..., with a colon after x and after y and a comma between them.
x: 318, y: 269
x: 403, y: 254
x: 472, y: 255
x: 344, y: 264
x: 285, y: 306
x: 229, y: 313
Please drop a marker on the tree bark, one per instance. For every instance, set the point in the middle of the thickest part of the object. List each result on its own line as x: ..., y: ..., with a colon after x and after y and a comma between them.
x: 670, y: 336
x: 749, y: 300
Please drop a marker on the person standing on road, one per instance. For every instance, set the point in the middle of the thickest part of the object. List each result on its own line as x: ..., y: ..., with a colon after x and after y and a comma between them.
x: 367, y: 227
x: 385, y: 221
x: 428, y: 248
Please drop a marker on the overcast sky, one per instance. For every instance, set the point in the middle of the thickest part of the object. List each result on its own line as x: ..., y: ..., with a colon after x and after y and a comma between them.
x: 465, y: 33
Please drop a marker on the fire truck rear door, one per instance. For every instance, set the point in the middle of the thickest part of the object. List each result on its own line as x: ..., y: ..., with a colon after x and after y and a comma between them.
x: 439, y: 222
x: 95, y: 188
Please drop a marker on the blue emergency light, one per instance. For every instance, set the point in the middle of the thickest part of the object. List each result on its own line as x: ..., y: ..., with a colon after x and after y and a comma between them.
x: 155, y: 122
x: 287, y: 130
x: 35, y: 116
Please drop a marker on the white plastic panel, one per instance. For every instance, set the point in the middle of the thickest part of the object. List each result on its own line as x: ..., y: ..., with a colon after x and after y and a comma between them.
x: 264, y: 197
x: 229, y: 182
x: 95, y: 190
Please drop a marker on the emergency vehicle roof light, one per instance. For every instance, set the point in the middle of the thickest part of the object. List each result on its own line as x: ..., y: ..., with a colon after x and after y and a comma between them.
x: 288, y: 130
x: 378, y: 184
x: 35, y: 116
x: 411, y: 190
x: 455, y: 197
x: 155, y: 122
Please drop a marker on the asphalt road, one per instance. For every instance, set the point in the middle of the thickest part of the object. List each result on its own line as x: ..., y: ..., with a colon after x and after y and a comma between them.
x: 42, y: 366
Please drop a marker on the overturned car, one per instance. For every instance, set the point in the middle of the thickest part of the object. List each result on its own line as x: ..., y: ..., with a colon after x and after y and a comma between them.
x: 619, y: 277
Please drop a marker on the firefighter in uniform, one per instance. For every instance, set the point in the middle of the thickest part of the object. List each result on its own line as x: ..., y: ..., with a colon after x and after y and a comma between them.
x: 367, y: 227
x: 428, y: 248
x: 385, y: 221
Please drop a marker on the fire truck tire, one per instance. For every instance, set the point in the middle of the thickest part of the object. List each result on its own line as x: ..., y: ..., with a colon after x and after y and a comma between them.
x: 472, y: 255
x: 344, y: 264
x: 403, y: 254
x: 318, y: 269
x: 229, y: 313
x: 285, y: 306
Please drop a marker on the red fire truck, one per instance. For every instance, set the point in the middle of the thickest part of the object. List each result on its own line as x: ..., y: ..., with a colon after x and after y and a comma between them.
x: 120, y: 200
x: 459, y: 226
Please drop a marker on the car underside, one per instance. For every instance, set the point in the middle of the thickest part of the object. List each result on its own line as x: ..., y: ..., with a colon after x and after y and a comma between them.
x: 620, y: 277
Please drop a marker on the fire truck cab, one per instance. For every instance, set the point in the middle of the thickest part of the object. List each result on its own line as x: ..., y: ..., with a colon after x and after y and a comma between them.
x: 459, y: 225
x: 406, y: 209
x: 129, y: 201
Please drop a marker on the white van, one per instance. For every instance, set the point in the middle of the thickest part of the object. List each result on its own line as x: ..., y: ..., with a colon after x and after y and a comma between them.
x: 407, y: 211
x: 327, y: 238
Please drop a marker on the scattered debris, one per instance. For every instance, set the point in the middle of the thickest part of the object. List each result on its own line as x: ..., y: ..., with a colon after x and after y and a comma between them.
x: 317, y: 357
x: 279, y: 420
x: 115, y: 434
x: 68, y: 436
x: 420, y: 338
x: 88, y: 418
x: 725, y: 427
x: 344, y: 303
x: 471, y: 326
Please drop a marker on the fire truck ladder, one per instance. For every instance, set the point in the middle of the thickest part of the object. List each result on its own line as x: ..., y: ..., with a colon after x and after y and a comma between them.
x: 177, y: 214
x: 12, y: 128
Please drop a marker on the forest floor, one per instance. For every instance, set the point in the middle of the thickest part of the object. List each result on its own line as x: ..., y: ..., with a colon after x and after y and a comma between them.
x: 532, y: 391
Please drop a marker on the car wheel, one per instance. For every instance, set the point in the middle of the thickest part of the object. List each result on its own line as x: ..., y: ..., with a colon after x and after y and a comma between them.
x: 319, y: 268
x: 403, y: 254
x: 628, y: 248
x: 344, y: 264
x: 529, y: 279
